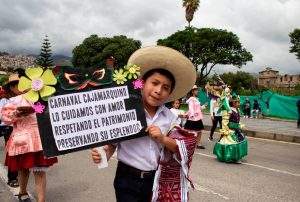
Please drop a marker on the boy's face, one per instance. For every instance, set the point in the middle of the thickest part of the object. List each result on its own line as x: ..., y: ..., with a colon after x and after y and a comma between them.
x: 156, y: 90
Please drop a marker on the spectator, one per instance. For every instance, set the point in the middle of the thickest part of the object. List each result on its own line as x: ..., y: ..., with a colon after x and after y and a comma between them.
x: 256, y: 109
x: 247, y: 108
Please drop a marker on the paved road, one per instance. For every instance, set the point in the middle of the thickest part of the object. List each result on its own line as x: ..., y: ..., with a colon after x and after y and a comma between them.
x: 271, y: 172
x: 274, y: 129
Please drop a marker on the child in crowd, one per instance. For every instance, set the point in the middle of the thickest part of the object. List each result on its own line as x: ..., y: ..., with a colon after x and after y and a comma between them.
x: 163, y: 81
x: 194, y: 123
x: 24, y: 147
x: 11, y: 90
x: 180, y: 116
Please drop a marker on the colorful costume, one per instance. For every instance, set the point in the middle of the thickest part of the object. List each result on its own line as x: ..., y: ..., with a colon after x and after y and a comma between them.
x: 171, y: 178
x: 233, y: 145
x: 24, y: 148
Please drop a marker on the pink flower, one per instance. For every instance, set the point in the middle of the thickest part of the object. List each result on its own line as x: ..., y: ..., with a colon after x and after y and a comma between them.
x: 38, y: 107
x: 138, y: 84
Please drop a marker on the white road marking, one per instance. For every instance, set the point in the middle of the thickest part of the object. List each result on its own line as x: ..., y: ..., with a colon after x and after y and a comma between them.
x: 277, y: 141
x: 258, y: 166
x: 203, y: 189
x: 273, y: 169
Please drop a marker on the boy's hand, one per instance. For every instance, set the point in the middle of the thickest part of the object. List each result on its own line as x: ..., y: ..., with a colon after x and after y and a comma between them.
x: 109, y: 150
x: 155, y: 133
x: 95, y: 155
x: 24, y: 111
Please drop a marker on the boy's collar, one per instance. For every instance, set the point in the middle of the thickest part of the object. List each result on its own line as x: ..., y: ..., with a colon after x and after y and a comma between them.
x: 161, y: 108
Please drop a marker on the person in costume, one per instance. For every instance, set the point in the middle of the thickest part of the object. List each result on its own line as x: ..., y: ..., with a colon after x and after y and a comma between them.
x: 194, y: 123
x: 11, y: 90
x: 138, y: 159
x: 180, y: 115
x: 24, y: 148
x: 233, y: 146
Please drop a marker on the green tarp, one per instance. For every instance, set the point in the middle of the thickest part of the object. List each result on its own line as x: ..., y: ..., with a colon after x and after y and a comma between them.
x: 279, y: 105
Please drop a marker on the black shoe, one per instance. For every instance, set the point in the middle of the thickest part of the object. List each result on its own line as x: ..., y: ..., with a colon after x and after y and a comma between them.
x: 200, y: 147
x: 13, y: 183
x: 24, y: 197
x: 210, y: 139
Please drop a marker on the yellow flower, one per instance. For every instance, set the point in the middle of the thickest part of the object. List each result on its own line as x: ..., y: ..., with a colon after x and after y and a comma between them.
x: 132, y: 71
x: 119, y: 77
x: 37, y: 84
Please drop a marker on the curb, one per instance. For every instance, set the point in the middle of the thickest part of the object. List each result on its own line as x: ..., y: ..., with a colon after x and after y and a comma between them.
x: 266, y: 135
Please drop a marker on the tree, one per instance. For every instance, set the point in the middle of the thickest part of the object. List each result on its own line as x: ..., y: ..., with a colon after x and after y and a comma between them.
x: 95, y: 49
x: 295, y: 40
x: 207, y: 47
x: 3, y: 53
x: 44, y: 58
x: 191, y: 6
x: 240, y: 82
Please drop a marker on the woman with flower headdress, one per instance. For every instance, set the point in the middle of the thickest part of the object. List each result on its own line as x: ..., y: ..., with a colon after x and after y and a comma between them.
x: 24, y: 148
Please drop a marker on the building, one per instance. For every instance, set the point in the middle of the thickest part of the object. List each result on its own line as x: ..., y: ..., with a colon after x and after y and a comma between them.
x: 15, y: 61
x: 270, y: 78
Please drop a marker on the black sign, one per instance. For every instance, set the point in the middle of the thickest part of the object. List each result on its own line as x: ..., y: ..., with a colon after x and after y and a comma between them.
x: 90, y: 109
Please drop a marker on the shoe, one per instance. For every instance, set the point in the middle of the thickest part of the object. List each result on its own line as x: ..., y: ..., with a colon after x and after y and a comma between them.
x: 210, y: 139
x: 13, y: 183
x: 24, y: 197
x: 200, y: 147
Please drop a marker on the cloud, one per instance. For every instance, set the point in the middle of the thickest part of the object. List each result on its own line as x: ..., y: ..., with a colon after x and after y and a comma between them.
x: 262, y: 26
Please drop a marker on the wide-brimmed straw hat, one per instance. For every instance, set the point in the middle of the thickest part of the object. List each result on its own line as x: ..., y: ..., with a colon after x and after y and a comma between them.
x: 195, y: 87
x: 161, y: 57
x: 12, y: 78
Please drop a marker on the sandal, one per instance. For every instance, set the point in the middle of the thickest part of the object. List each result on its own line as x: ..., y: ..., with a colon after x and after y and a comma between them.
x: 13, y: 183
x: 24, y: 197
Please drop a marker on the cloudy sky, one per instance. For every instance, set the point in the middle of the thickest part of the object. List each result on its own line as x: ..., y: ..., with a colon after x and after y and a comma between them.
x: 262, y: 25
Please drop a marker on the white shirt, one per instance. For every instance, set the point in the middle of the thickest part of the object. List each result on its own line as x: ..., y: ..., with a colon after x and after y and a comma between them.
x: 214, y: 107
x: 143, y: 153
x: 176, y: 112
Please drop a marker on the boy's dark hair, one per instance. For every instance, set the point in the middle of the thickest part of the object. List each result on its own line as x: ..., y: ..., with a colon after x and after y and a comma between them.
x: 163, y: 72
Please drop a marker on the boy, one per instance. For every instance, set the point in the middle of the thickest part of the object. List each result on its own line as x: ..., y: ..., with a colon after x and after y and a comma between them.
x: 164, y: 72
